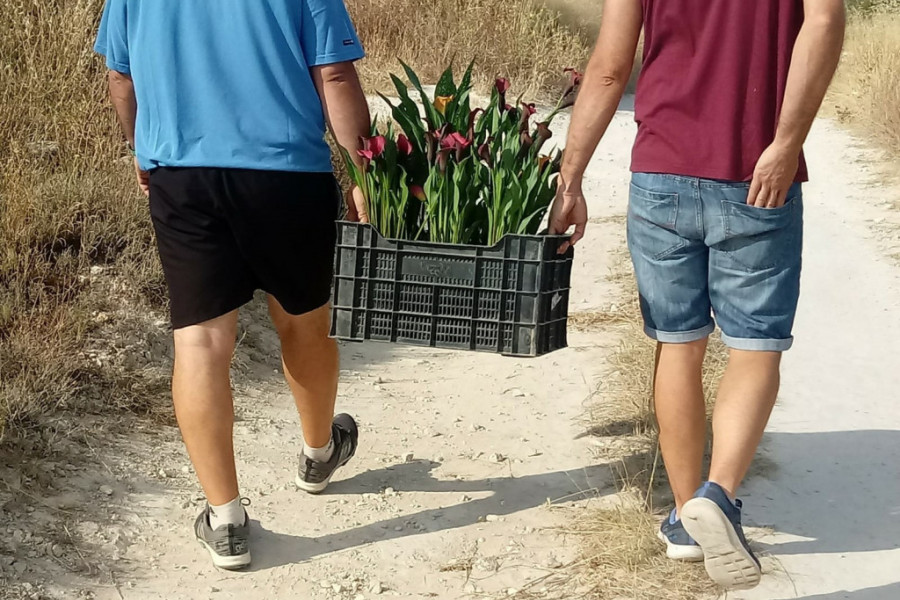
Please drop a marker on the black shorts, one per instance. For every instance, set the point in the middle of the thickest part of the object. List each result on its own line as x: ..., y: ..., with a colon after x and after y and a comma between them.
x: 225, y: 233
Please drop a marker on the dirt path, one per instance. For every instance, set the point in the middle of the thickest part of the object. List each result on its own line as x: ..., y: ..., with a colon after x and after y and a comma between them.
x: 834, y: 497
x: 468, y: 462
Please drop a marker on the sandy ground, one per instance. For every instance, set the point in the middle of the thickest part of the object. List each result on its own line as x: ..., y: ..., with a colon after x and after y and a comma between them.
x: 469, y: 463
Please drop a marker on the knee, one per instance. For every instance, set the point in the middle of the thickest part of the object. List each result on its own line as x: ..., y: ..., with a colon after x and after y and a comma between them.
x: 211, y: 345
x: 690, y: 352
x: 308, y: 329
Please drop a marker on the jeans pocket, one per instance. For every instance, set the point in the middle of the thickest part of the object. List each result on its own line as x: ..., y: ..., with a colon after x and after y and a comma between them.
x: 652, y: 220
x: 759, y: 239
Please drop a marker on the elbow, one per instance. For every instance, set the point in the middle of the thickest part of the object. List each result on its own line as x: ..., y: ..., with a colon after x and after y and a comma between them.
x: 116, y: 78
x: 338, y: 74
x: 613, y: 76
x: 831, y: 20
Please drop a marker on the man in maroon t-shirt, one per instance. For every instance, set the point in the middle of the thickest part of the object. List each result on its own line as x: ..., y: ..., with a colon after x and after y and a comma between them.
x: 726, y: 97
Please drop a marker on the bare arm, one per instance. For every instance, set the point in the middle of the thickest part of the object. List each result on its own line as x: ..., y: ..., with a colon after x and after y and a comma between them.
x: 814, y: 61
x: 604, y: 85
x: 121, y: 93
x: 347, y: 115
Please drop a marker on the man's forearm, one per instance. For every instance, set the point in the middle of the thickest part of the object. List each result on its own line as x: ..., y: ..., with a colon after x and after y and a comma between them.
x: 121, y: 93
x: 346, y: 109
x: 815, y: 59
x: 605, y: 79
x: 597, y: 104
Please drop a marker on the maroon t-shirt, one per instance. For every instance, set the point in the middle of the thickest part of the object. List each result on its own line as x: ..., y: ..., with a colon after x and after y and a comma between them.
x: 712, y: 85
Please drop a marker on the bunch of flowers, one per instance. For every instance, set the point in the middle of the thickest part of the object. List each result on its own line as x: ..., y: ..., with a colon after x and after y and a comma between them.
x: 458, y: 174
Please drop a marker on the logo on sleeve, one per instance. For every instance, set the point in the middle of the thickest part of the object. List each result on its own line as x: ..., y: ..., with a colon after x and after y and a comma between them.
x: 349, y: 42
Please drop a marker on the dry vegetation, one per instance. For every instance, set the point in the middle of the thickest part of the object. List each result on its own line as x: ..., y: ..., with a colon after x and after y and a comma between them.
x: 622, y: 556
x: 76, y: 248
x: 522, y: 40
x: 866, y: 92
x: 66, y: 204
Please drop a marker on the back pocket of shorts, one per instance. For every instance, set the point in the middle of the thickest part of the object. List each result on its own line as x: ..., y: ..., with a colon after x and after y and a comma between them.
x: 757, y: 238
x: 652, y: 217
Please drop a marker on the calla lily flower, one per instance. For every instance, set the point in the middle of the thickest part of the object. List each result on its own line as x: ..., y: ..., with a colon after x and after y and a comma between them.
x: 458, y: 142
x: 572, y: 87
x: 404, y: 145
x: 485, y: 155
x: 543, y: 134
x: 417, y: 192
x: 441, y: 102
x: 372, y: 147
x: 543, y: 161
x: 527, y: 111
x: 502, y: 84
x: 443, y: 159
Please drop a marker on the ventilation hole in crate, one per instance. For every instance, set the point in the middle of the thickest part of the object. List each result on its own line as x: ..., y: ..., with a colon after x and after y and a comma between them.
x: 509, y: 312
x: 492, y: 274
x: 507, y: 330
x: 489, y: 305
x: 359, y: 324
x: 385, y: 263
x: 362, y: 294
x: 416, y: 299
x: 453, y: 332
x: 486, y: 335
x: 512, y: 277
x: 454, y: 302
x: 382, y: 295
x: 410, y: 327
x: 381, y: 326
x: 364, y: 268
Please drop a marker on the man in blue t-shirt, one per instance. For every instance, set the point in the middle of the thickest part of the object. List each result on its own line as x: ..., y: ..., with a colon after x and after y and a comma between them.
x: 224, y: 104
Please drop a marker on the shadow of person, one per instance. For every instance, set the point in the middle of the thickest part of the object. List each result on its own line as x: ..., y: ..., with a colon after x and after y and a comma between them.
x: 840, y: 490
x: 508, y: 495
x: 884, y: 592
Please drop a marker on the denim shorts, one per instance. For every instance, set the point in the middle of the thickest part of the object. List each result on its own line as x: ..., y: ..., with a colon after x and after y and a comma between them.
x: 700, y: 250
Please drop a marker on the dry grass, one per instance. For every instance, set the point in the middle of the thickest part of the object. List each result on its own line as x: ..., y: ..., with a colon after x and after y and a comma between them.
x: 627, y: 560
x: 521, y: 39
x: 866, y: 91
x: 67, y: 203
x: 623, y: 558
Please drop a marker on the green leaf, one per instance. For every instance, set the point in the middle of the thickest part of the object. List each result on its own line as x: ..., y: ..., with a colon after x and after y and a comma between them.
x: 432, y: 116
x: 445, y: 85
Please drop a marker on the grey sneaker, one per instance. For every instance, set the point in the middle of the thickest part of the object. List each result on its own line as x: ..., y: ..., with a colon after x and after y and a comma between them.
x: 714, y: 521
x: 228, y: 545
x: 314, y: 476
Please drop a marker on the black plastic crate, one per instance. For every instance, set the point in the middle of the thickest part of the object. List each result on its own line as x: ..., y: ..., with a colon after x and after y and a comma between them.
x: 512, y: 298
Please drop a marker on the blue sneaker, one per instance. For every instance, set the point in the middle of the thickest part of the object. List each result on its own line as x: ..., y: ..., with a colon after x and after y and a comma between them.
x: 712, y: 519
x: 679, y: 545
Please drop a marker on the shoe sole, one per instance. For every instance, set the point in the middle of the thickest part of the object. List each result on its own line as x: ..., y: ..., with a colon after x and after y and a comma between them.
x: 229, y: 563
x: 727, y: 562
x: 679, y: 552
x: 317, y: 488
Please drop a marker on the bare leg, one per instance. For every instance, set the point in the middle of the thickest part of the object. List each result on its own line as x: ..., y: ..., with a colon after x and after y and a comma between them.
x: 746, y: 397
x: 311, y: 367
x: 201, y: 389
x: 681, y: 413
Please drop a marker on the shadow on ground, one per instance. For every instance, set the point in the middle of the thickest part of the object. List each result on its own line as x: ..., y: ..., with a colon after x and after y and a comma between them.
x: 884, y: 592
x: 509, y: 495
x: 840, y: 490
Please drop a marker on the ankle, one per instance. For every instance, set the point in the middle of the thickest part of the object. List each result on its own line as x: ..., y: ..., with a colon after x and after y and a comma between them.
x: 726, y: 487
x: 319, y: 454
x: 230, y: 513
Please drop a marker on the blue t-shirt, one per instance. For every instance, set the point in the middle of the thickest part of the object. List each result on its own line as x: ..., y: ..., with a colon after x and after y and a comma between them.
x: 227, y: 83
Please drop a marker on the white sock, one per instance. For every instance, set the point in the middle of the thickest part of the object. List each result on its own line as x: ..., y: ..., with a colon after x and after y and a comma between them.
x: 227, y: 514
x: 319, y: 454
